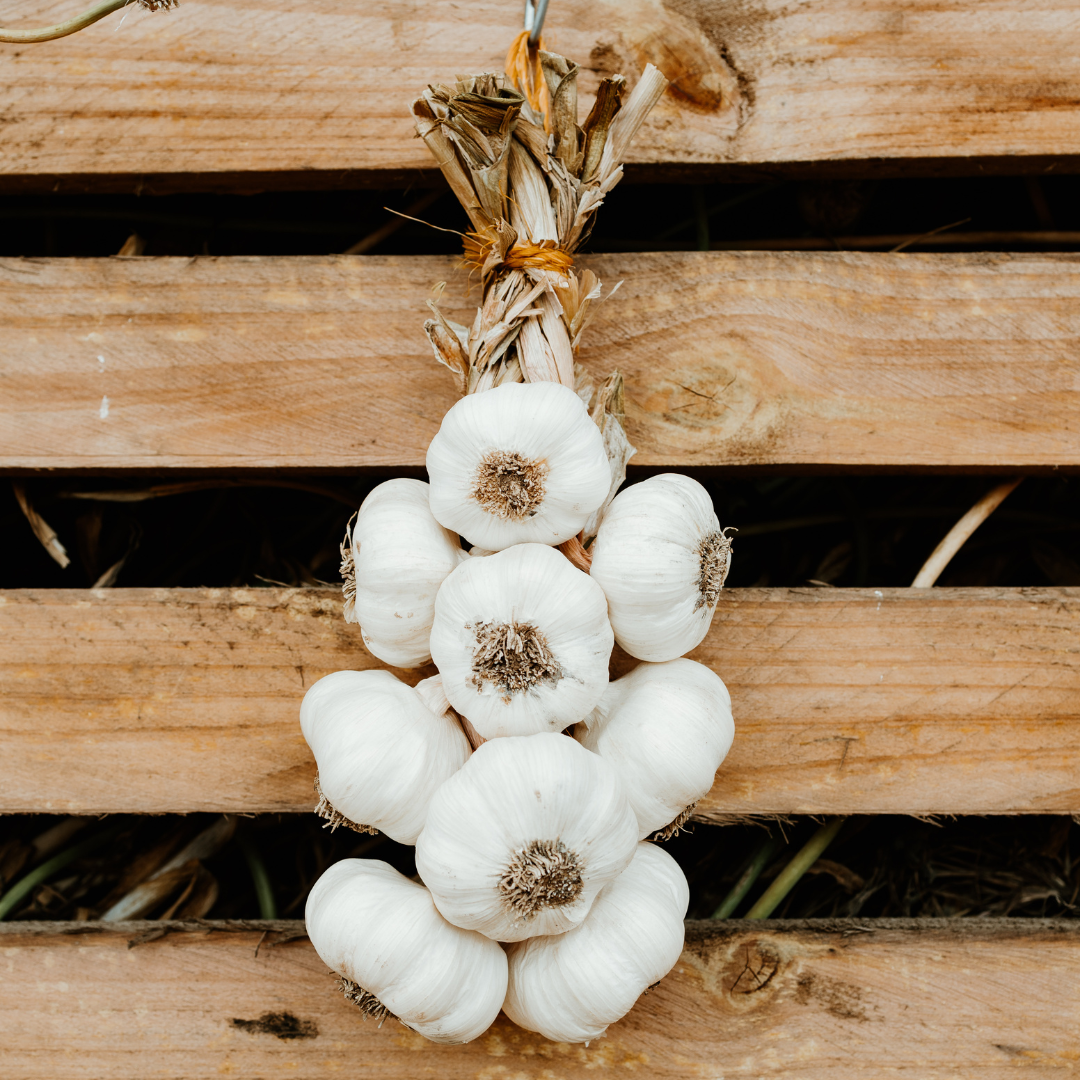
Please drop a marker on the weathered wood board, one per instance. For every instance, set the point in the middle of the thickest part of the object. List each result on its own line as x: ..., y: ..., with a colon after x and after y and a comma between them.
x: 242, y: 94
x: 937, y: 999
x: 929, y: 701
x: 813, y: 360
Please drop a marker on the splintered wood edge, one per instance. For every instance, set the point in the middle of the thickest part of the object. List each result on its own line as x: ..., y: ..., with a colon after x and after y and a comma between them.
x: 702, y: 930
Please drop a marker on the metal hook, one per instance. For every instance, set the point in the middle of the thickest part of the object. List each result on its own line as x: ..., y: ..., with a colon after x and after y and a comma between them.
x: 534, y: 19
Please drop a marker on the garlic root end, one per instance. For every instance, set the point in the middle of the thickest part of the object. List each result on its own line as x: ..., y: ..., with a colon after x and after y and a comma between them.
x: 334, y: 818
x: 675, y: 827
x: 348, y: 572
x: 368, y: 1004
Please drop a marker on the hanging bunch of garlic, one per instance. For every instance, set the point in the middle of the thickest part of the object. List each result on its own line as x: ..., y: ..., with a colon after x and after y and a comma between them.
x: 516, y: 569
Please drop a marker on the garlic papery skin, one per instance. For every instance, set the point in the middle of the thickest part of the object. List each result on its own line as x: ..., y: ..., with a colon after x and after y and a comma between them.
x: 401, y: 555
x: 571, y: 987
x: 520, y: 463
x: 380, y: 750
x: 661, y: 558
x: 520, y: 840
x: 381, y: 932
x: 665, y: 729
x: 522, y: 641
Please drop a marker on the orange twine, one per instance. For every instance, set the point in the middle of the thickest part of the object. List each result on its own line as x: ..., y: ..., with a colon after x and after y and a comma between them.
x: 523, y: 70
x: 527, y: 256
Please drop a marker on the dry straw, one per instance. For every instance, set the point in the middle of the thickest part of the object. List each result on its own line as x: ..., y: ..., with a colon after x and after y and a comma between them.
x: 531, y: 179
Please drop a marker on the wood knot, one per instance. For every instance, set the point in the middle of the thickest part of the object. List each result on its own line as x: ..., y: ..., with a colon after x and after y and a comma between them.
x: 751, y: 970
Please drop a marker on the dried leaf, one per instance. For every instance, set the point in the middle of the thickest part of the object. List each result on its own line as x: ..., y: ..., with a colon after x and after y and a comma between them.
x: 560, y: 75
x: 631, y: 116
x: 597, y: 124
x: 146, y: 896
x: 41, y: 528
x: 531, y: 181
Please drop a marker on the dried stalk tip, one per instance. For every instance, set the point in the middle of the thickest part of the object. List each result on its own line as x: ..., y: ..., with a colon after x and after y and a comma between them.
x: 509, y: 486
x: 715, y: 554
x: 368, y: 1004
x: 546, y: 874
x: 676, y: 827
x: 334, y: 819
x: 512, y: 656
x: 159, y: 5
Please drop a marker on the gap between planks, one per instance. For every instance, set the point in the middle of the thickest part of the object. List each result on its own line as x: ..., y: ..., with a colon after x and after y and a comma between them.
x: 813, y: 1000
x: 228, y: 96
x: 796, y: 361
x: 846, y: 701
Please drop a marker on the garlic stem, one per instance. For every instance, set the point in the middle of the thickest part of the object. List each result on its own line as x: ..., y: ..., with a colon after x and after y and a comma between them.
x: 79, y: 22
x: 758, y: 861
x: 958, y: 535
x: 575, y: 551
x: 475, y: 738
x: 790, y: 876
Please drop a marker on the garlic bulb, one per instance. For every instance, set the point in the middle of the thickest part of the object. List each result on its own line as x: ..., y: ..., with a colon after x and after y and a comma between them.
x: 665, y: 729
x: 520, y: 463
x: 398, y: 957
x: 400, y: 556
x: 521, y: 839
x: 571, y: 987
x: 522, y: 641
x: 661, y: 558
x: 380, y: 749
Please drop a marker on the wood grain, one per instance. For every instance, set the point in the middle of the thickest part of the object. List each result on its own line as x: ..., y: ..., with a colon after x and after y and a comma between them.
x: 242, y: 94
x: 802, y: 361
x: 929, y: 701
x: 811, y: 1000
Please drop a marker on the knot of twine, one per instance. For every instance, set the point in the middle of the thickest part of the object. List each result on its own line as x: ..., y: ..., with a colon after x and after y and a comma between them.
x: 547, y: 255
x: 544, y: 256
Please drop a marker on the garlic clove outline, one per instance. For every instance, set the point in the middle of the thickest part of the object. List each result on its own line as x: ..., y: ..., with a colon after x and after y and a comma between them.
x: 520, y: 840
x: 522, y: 641
x: 665, y: 729
x: 661, y: 558
x: 380, y: 749
x: 519, y: 463
x: 571, y: 987
x: 381, y: 932
x: 400, y: 557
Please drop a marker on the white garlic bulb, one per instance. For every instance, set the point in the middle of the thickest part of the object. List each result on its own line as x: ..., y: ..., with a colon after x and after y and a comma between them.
x: 520, y: 840
x: 522, y: 641
x: 400, y: 556
x: 398, y: 957
x: 520, y: 463
x: 571, y: 987
x: 661, y: 558
x: 380, y: 749
x: 665, y: 729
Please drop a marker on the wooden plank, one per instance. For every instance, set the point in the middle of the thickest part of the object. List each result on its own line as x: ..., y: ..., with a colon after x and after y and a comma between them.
x: 811, y: 1000
x: 929, y: 701
x: 231, y: 94
x: 813, y: 360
